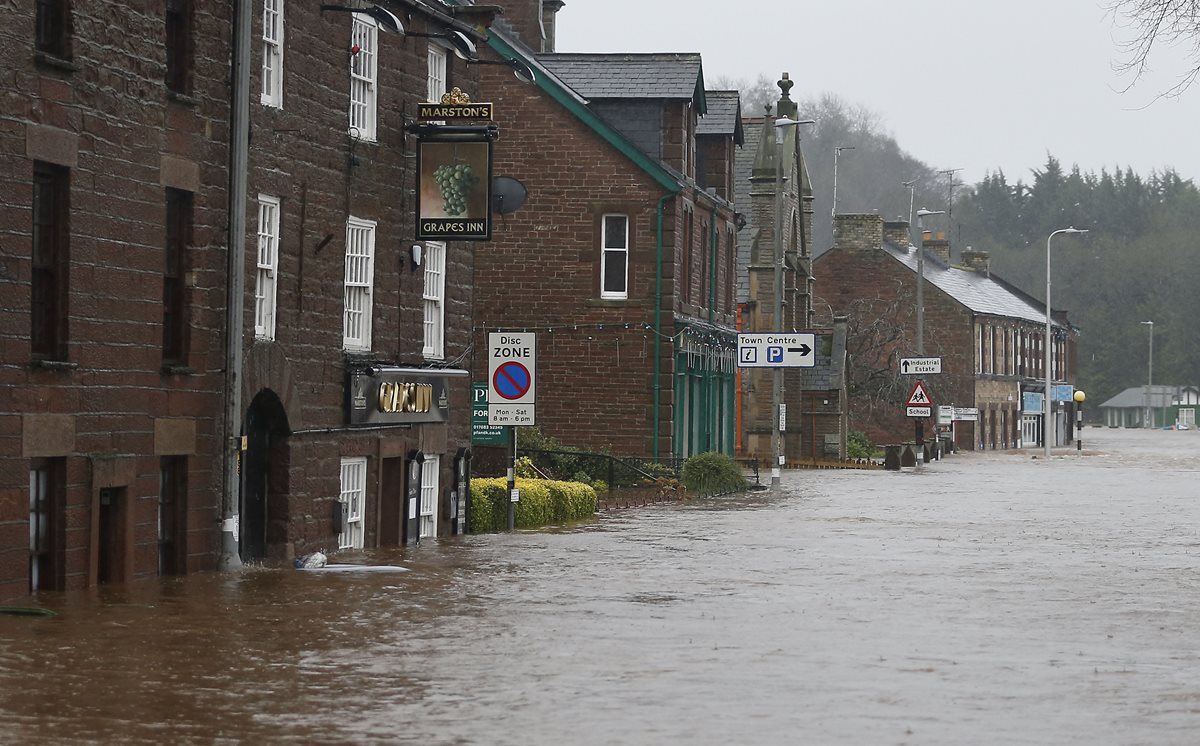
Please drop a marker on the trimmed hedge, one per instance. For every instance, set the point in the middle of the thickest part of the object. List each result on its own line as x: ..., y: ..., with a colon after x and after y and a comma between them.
x: 712, y: 474
x: 543, y: 502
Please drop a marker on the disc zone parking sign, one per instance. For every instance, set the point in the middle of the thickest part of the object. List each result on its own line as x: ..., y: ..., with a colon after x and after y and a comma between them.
x: 512, y: 369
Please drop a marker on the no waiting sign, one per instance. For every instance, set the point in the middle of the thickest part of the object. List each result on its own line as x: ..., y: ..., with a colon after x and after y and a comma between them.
x: 512, y: 365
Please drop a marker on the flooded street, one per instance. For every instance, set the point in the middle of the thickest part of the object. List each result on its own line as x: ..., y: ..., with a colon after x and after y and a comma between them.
x: 990, y: 598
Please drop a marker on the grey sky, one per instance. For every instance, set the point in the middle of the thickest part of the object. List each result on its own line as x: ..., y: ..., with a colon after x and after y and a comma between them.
x: 974, y: 84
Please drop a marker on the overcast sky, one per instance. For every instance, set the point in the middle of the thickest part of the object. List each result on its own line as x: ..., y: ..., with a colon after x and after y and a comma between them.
x: 979, y: 85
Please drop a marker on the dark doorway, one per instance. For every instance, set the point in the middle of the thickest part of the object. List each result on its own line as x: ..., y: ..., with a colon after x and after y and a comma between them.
x: 110, y: 560
x: 264, y: 478
x: 391, y: 502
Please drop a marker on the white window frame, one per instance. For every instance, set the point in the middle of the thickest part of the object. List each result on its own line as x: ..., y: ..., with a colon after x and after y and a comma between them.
x: 358, y: 284
x: 364, y: 88
x: 430, y: 476
x: 434, y: 300
x: 272, y: 64
x: 605, y: 250
x: 267, y: 277
x: 354, y: 497
x: 436, y: 67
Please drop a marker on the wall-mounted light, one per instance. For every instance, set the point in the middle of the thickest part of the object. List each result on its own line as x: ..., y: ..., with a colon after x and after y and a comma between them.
x: 416, y: 256
x: 386, y: 19
x: 463, y: 47
x: 523, y: 72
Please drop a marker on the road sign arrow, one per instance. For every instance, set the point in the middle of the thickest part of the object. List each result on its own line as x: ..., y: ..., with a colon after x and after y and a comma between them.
x: 803, y: 349
x: 904, y: 366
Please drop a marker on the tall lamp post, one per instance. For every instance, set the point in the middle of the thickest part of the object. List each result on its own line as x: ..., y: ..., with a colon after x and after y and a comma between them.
x: 921, y: 215
x: 1149, y: 378
x: 1047, y: 403
x: 777, y: 373
x: 1079, y: 398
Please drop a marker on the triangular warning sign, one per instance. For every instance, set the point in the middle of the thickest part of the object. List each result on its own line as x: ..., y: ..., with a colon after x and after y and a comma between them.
x: 919, y: 396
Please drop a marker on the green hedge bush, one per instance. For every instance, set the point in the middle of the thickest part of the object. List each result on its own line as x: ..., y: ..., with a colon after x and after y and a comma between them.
x: 543, y: 502
x: 712, y: 474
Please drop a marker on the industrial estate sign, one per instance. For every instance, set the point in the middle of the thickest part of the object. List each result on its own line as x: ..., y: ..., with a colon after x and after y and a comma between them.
x: 512, y: 366
x: 792, y: 350
x: 920, y: 365
x: 381, y: 395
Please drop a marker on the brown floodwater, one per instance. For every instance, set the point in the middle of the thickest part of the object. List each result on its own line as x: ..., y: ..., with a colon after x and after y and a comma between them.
x: 989, y: 598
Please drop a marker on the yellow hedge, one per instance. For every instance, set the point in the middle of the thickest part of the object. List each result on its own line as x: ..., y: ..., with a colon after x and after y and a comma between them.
x: 543, y: 502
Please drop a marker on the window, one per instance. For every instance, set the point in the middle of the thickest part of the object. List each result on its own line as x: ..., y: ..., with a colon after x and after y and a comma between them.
x: 360, y: 271
x: 429, y: 496
x: 172, y: 509
x: 48, y: 282
x: 268, y: 267
x: 364, y: 35
x: 685, y: 272
x: 179, y: 46
x: 353, y: 497
x: 705, y: 251
x: 47, y: 493
x: 436, y: 85
x: 731, y: 272
x: 614, y: 257
x: 434, y: 297
x: 272, y: 67
x: 175, y: 317
x: 51, y: 27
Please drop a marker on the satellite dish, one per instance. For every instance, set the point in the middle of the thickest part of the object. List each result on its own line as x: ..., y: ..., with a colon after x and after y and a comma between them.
x: 508, y: 195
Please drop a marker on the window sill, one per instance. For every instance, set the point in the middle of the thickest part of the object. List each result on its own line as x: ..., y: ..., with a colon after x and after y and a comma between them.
x: 612, y: 303
x: 177, y: 369
x: 182, y: 98
x: 54, y: 365
x: 54, y: 62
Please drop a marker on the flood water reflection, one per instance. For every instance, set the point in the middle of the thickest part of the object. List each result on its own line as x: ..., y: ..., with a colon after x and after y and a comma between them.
x: 989, y: 598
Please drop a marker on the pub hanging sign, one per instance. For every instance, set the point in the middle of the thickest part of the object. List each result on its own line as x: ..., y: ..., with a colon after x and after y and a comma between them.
x: 455, y: 106
x: 454, y: 172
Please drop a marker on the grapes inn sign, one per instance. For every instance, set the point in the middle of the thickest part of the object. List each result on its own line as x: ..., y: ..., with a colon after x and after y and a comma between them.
x: 454, y: 169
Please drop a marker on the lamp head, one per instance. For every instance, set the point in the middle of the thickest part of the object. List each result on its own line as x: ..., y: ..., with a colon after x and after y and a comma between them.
x: 1079, y: 396
x: 925, y: 213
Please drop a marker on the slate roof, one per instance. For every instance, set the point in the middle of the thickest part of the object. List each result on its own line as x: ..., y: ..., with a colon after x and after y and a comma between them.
x: 724, y: 115
x: 976, y: 291
x: 656, y: 75
x: 1134, y: 397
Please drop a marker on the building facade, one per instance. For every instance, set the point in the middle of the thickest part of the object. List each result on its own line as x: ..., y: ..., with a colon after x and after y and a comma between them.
x: 622, y: 258
x: 989, y: 335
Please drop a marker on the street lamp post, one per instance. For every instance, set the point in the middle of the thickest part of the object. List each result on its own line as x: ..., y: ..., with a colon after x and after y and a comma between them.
x: 921, y: 215
x: 1149, y: 378
x: 1079, y: 398
x: 777, y: 373
x: 1047, y: 403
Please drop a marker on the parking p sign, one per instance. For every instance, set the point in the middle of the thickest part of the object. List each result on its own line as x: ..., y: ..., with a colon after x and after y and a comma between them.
x: 512, y: 369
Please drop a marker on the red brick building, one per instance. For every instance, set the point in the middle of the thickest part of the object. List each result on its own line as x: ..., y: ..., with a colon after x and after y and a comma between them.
x: 350, y: 422
x: 989, y: 335
x: 113, y: 214
x: 623, y: 257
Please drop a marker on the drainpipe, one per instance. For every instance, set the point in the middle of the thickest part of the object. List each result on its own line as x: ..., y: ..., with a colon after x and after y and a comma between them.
x: 711, y: 397
x: 239, y: 152
x: 658, y: 296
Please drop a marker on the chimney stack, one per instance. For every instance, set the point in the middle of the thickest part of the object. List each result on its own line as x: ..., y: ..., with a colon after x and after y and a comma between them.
x: 857, y: 231
x: 896, y: 231
x: 550, y: 10
x: 976, y: 261
x: 938, y: 247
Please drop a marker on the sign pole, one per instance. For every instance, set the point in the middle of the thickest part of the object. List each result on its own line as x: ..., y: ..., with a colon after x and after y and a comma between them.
x: 512, y: 475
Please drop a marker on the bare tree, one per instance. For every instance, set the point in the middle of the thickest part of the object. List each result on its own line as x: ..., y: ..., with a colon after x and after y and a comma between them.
x: 1158, y: 23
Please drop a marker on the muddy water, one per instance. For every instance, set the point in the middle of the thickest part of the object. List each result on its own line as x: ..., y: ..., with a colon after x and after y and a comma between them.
x: 990, y: 598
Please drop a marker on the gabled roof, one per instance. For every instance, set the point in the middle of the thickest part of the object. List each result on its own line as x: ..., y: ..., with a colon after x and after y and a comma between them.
x: 656, y: 75
x: 1135, y: 397
x: 978, y: 292
x: 724, y: 115
x: 548, y: 82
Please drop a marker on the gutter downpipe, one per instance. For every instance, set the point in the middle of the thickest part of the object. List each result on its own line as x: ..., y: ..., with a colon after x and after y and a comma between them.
x: 230, y: 557
x: 658, y: 296
x: 714, y: 435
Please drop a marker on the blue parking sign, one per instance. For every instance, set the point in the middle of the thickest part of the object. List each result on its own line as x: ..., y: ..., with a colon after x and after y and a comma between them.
x: 774, y: 354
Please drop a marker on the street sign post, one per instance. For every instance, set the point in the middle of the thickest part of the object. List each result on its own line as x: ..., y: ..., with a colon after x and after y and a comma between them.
x: 792, y: 350
x: 919, y: 398
x: 512, y: 364
x: 920, y: 365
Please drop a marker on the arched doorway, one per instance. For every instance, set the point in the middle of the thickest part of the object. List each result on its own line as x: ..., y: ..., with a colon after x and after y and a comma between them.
x: 264, y: 508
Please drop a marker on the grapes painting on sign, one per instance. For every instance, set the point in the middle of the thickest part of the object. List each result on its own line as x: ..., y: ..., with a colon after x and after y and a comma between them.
x: 454, y: 190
